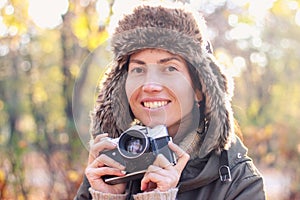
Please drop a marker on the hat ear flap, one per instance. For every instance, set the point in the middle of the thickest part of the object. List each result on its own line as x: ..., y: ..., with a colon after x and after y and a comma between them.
x: 111, y: 115
x: 218, y: 110
x: 225, y: 80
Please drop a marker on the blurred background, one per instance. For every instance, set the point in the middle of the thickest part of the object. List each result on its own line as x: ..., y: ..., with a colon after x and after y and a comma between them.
x: 52, y: 53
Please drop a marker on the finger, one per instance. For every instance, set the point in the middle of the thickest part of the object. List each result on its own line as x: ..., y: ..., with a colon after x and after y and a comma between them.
x: 104, y: 160
x: 95, y: 177
x: 162, y: 161
x: 104, y: 143
x: 153, y: 169
x: 160, y: 170
x: 100, y: 137
x: 145, y: 183
x: 161, y: 181
x: 182, y: 156
x: 108, y: 161
x: 99, y: 172
x: 99, y: 147
x: 150, y: 177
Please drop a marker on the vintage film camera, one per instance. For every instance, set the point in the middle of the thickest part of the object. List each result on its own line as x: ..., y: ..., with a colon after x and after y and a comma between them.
x: 137, y: 148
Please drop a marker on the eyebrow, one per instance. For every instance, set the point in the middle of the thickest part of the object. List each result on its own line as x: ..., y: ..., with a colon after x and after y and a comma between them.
x: 137, y: 61
x: 164, y: 60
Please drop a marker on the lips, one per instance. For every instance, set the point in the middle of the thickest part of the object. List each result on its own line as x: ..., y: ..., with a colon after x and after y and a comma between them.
x: 155, y: 104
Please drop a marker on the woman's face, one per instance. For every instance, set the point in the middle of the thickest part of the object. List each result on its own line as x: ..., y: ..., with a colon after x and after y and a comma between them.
x: 159, y: 89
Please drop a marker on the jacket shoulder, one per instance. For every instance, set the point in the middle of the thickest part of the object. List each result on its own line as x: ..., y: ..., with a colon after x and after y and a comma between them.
x: 247, y: 181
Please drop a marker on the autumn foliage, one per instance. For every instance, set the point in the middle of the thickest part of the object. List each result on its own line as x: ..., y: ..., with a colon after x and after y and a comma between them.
x: 49, y: 73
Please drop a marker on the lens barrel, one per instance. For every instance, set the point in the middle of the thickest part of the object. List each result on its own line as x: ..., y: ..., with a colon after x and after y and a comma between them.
x: 133, y: 144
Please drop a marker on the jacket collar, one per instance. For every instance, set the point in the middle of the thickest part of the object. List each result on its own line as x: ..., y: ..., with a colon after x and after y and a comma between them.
x: 236, y: 153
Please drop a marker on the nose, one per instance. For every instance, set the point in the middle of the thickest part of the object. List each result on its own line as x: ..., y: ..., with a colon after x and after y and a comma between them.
x: 152, y: 87
x: 152, y: 80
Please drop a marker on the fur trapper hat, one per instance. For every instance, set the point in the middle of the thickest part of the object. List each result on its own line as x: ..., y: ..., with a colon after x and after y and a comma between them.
x: 180, y: 32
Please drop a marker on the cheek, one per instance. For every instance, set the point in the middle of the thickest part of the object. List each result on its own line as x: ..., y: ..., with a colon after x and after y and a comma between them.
x: 187, y: 102
x: 186, y: 98
x: 130, y: 89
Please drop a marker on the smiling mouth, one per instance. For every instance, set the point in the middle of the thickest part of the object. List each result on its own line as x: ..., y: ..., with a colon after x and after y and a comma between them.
x: 154, y: 104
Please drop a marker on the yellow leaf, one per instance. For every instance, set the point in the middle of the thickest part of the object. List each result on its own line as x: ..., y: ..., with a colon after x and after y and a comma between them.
x: 80, y: 27
x: 281, y: 8
x: 39, y: 95
x: 97, y: 39
x: 73, y: 175
x: 2, y: 176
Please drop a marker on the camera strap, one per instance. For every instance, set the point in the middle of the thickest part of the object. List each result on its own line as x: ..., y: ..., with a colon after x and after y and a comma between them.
x: 133, y: 188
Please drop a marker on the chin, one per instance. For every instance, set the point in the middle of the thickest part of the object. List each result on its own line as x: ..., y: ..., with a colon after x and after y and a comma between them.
x: 152, y: 123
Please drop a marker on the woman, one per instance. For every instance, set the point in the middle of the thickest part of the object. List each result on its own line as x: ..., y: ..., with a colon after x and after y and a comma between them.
x: 165, y: 74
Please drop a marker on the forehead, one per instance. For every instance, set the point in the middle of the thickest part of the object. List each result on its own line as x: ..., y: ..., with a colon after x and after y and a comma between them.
x: 153, y: 55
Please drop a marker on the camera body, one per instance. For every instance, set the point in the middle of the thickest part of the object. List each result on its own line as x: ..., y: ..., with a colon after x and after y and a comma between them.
x: 137, y: 148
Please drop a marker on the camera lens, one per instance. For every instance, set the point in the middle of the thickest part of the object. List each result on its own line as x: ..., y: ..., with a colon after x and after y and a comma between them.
x: 133, y: 143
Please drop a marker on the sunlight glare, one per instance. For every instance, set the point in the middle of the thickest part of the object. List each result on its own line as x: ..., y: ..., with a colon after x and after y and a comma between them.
x: 47, y: 13
x: 233, y: 20
x: 293, y: 5
x: 297, y: 18
x: 258, y: 8
x: 119, y: 9
x: 239, y: 65
x: 240, y: 2
x: 2, y: 3
x: 3, y: 28
x: 102, y: 7
x: 9, y: 10
x: 241, y: 31
x: 259, y: 58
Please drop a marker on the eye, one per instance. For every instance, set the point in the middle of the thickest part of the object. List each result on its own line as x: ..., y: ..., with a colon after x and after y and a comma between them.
x: 137, y: 70
x: 171, y: 69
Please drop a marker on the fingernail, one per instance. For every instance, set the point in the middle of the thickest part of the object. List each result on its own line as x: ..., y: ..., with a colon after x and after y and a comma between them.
x: 123, y: 172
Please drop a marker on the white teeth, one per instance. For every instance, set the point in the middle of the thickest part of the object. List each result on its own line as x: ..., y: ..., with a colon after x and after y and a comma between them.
x: 155, y: 104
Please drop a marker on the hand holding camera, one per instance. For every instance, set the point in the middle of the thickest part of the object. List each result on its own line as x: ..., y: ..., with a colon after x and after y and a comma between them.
x: 99, y: 166
x: 162, y: 175
x: 141, y: 152
x: 137, y: 148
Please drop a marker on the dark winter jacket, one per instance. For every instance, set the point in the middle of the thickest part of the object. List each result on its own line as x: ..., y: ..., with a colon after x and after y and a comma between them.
x: 246, y: 182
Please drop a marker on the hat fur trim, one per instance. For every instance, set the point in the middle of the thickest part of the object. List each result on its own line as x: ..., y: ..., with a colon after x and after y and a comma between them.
x: 113, y: 114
